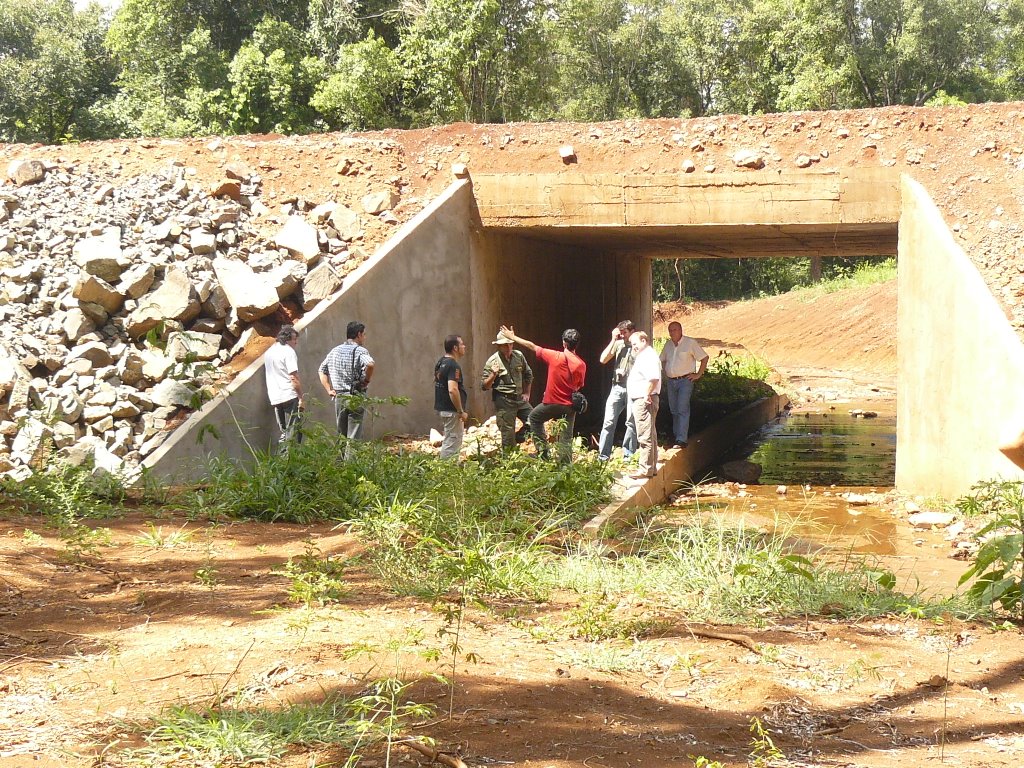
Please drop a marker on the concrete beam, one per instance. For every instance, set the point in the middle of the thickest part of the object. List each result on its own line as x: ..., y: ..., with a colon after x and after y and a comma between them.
x: 679, y: 215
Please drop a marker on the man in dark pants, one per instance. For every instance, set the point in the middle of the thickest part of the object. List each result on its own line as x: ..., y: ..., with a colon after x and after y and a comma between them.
x: 566, y: 374
x: 283, y: 386
x: 509, y: 377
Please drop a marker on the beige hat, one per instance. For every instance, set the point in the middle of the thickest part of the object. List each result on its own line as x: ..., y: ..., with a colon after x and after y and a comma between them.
x: 502, y: 339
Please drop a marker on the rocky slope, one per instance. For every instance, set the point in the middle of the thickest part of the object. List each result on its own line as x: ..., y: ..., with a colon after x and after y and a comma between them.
x: 132, y: 269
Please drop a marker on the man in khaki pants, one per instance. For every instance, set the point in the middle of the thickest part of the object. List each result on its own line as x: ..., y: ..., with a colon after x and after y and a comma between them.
x: 643, y: 387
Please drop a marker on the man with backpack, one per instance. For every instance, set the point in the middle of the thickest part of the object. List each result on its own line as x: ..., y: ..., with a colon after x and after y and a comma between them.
x: 567, y: 374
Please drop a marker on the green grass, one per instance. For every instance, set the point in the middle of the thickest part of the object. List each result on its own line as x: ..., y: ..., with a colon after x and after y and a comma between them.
x: 865, y: 274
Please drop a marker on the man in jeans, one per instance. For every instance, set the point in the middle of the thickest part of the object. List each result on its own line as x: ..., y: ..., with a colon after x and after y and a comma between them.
x: 510, y: 378
x: 566, y: 374
x: 619, y: 350
x: 345, y: 374
x: 450, y: 396
x: 683, y: 362
x: 283, y: 386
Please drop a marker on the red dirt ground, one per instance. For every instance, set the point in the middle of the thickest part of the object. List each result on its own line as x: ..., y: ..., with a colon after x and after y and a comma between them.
x: 130, y: 630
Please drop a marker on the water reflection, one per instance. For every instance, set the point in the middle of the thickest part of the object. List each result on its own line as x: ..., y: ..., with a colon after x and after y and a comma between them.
x: 824, y: 459
x: 826, y: 448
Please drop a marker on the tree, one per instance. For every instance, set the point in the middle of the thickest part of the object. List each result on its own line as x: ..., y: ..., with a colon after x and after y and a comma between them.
x: 52, y: 68
x: 364, y: 93
x: 474, y: 60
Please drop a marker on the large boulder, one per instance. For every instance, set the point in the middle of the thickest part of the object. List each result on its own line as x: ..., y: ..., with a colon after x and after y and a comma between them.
x: 748, y: 472
x: 193, y: 345
x: 379, y: 200
x: 299, y: 238
x: 101, y: 255
x: 174, y: 299
x: 319, y: 284
x: 23, y: 172
x: 250, y: 295
x: 346, y: 222
x: 93, y: 290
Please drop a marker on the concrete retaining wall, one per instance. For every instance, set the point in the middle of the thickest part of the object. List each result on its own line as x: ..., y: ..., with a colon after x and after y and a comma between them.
x: 961, y: 365
x: 410, y: 294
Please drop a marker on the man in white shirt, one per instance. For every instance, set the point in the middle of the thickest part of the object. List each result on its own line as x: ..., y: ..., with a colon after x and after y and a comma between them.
x: 284, y: 389
x: 643, y: 387
x: 683, y: 362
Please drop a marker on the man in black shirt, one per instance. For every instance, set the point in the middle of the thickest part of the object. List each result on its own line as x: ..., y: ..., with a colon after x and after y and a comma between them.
x: 450, y: 396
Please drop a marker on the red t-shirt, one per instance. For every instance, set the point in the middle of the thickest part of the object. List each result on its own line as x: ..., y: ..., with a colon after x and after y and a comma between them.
x: 566, y: 374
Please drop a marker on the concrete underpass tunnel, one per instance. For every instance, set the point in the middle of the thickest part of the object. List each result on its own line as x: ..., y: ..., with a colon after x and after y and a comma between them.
x: 577, y: 250
x: 543, y: 279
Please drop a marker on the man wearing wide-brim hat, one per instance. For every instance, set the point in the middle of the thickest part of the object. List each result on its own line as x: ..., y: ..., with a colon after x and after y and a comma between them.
x: 509, y: 377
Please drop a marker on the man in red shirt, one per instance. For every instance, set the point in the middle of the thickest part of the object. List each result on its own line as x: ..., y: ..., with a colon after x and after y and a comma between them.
x: 566, y: 374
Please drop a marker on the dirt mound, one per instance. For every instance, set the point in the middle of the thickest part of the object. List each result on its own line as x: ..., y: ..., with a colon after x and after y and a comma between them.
x: 852, y: 331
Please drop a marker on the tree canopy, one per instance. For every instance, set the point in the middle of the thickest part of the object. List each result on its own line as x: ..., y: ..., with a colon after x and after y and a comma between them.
x: 200, y: 67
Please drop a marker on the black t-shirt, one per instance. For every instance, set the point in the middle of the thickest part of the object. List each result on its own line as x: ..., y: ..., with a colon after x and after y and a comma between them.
x: 447, y: 369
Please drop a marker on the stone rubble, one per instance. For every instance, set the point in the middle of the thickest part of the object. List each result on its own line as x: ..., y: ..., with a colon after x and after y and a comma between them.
x: 121, y: 299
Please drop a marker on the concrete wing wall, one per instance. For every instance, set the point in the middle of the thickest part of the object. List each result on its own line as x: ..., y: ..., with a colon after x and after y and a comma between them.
x: 410, y: 294
x: 961, y: 365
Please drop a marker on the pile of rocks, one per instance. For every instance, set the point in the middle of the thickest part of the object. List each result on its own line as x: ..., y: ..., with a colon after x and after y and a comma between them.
x: 120, y: 303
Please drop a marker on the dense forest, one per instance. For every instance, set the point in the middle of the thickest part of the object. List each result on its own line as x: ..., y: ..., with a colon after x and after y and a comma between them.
x: 200, y: 67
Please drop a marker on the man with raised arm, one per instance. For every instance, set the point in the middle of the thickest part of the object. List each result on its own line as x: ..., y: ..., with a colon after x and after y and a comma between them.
x: 509, y: 377
x: 567, y: 373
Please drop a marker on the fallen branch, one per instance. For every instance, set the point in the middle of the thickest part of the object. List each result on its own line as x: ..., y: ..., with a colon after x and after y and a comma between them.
x: 710, y: 634
x: 435, y: 755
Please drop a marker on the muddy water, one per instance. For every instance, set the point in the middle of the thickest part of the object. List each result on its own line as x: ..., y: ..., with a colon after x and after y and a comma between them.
x: 828, y: 447
x: 818, y: 458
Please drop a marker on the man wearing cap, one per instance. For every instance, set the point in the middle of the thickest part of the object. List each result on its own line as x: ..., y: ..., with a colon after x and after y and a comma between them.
x: 566, y: 374
x: 683, y: 362
x: 510, y: 378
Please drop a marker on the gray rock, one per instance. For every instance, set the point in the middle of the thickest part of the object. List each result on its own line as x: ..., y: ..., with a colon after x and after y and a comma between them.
x: 172, y: 392
x: 250, y: 295
x: 192, y: 345
x: 346, y: 222
x: 96, y: 353
x: 76, y: 324
x: 173, y: 299
x: 137, y: 280
x: 23, y: 172
x: 93, y: 290
x: 202, y: 241
x: 29, y: 445
x: 286, y: 278
x: 299, y: 238
x: 748, y: 158
x: 319, y: 284
x: 379, y: 200
x: 927, y: 520
x: 216, y: 305
x: 102, y: 255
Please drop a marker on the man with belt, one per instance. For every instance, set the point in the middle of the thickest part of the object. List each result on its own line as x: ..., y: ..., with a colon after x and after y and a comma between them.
x: 345, y: 374
x: 683, y: 362
x: 621, y: 352
x: 644, y: 390
x: 510, y: 378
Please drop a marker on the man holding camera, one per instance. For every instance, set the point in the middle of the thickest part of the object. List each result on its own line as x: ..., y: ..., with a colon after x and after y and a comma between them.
x: 621, y: 352
x: 345, y: 374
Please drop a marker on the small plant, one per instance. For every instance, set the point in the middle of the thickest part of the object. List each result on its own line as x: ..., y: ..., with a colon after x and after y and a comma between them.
x: 155, y: 538
x: 763, y: 751
x: 594, y: 619
x: 699, y: 761
x: 315, y: 579
x: 998, y: 570
x: 733, y: 379
x: 31, y: 537
x: 208, y: 576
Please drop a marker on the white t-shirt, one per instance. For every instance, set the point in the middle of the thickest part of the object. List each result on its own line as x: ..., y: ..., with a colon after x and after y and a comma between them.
x: 280, y: 361
x: 646, y: 368
x: 682, y: 359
